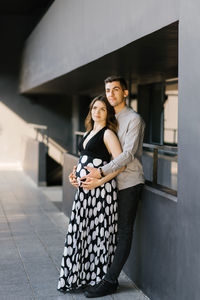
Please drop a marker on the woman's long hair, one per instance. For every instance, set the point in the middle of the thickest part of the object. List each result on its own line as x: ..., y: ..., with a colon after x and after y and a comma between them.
x: 111, y: 121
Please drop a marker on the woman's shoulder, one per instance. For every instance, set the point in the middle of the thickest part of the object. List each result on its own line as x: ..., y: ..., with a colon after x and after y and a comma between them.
x: 109, y: 134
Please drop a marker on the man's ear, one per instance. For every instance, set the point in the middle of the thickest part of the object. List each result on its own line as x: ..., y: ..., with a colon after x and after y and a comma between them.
x: 125, y: 93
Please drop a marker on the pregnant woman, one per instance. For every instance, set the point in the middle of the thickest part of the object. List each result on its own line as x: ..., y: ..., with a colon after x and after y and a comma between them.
x: 91, y: 238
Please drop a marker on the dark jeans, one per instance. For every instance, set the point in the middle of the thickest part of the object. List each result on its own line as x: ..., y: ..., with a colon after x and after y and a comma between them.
x: 127, y: 209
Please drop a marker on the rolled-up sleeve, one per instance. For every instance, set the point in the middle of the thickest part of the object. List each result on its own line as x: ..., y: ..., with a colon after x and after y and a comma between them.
x: 129, y: 146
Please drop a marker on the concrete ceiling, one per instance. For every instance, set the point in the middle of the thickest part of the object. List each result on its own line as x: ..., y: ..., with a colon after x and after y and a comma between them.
x: 22, y: 7
x: 152, y: 58
x: 17, y: 20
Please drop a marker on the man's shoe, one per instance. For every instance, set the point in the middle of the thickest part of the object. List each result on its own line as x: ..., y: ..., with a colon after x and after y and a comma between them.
x: 103, y: 288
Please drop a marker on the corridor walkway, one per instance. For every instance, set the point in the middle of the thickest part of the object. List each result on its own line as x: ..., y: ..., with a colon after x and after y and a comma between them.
x: 32, y: 232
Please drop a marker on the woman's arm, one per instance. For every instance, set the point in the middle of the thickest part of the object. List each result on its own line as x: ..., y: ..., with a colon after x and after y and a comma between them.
x: 112, y: 143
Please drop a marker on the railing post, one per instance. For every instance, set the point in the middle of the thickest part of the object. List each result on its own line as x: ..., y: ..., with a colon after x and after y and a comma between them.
x: 36, y: 137
x: 174, y: 136
x: 155, y: 165
x: 78, y: 135
x: 76, y: 147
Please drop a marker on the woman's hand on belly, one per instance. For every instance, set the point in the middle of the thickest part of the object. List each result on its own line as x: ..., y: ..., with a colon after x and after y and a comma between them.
x: 72, y: 178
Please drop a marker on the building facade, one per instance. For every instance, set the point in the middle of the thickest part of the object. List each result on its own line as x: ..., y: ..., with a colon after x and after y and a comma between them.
x: 51, y: 69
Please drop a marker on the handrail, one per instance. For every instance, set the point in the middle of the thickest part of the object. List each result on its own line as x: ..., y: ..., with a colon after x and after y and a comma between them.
x: 58, y: 146
x: 155, y: 148
x: 166, y: 149
x: 40, y: 129
x: 54, y: 149
x: 37, y: 126
x: 79, y: 132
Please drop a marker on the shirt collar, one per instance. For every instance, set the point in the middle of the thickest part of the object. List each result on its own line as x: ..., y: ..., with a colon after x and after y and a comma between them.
x: 121, y: 111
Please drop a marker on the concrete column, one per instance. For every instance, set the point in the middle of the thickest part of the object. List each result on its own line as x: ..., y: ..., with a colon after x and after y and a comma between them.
x: 188, y: 254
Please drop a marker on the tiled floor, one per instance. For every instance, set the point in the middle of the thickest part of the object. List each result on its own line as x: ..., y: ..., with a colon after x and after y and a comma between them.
x: 32, y: 233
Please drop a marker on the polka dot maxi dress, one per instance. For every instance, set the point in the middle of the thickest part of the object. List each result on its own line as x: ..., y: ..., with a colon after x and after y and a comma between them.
x: 91, y: 238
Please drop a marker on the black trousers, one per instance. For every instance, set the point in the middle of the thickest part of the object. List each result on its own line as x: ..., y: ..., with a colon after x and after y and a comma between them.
x: 127, y: 209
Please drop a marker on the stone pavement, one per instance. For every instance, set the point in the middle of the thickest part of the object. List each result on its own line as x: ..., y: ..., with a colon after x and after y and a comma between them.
x: 32, y: 233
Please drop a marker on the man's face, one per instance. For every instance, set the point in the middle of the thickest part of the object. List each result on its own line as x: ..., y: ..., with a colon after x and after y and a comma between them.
x: 115, y: 94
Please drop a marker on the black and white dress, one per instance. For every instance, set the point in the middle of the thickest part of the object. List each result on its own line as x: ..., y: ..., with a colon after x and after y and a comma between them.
x: 91, y: 238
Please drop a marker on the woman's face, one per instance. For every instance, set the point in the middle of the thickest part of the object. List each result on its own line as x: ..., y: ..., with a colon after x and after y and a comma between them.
x: 99, y: 112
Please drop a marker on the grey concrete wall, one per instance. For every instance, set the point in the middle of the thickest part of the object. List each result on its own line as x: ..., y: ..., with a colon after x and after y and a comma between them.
x: 55, y: 111
x: 188, y: 256
x: 165, y: 255
x: 34, y: 163
x: 13, y: 31
x: 153, y: 258
x: 74, y: 33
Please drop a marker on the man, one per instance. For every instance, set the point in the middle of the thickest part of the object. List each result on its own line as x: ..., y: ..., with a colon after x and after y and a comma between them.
x: 130, y: 181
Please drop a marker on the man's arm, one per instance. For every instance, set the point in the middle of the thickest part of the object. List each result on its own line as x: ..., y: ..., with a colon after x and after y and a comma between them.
x: 91, y: 183
x: 135, y: 130
x: 130, y: 147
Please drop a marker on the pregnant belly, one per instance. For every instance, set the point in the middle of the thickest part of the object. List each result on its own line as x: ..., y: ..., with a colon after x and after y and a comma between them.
x: 88, y: 161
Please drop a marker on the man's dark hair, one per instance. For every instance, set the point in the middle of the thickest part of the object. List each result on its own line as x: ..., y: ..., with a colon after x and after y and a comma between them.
x: 117, y: 78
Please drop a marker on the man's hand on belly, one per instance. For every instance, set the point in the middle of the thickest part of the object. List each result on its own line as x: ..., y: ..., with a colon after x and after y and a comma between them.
x: 93, y: 172
x: 90, y: 183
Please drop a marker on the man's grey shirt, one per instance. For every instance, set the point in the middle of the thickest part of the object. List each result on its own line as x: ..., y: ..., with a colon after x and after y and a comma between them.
x: 130, y: 134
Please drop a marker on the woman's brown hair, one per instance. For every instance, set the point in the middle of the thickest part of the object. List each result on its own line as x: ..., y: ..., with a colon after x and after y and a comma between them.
x: 111, y: 121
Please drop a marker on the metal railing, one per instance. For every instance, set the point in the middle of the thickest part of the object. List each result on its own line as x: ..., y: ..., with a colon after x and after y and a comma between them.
x: 78, y: 137
x: 41, y: 130
x: 156, y: 150
x: 174, y: 133
x: 55, y: 150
